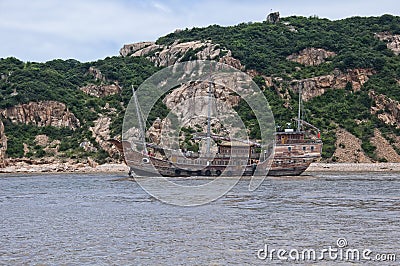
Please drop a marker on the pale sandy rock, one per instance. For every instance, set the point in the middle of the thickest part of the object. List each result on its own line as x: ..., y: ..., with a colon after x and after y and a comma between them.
x: 387, y: 109
x: 348, y: 148
x: 52, y: 147
x: 92, y: 163
x: 311, y: 56
x: 358, y: 77
x: 26, y: 148
x: 42, y: 140
x: 154, y: 132
x: 96, y: 73
x: 101, y: 90
x: 101, y: 133
x: 316, y: 86
x: 353, y: 167
x: 192, y: 99
x: 167, y: 55
x: 129, y: 49
x: 66, y: 167
x: 229, y: 60
x: 392, y: 41
x: 87, y: 146
x: 190, y: 103
x: 383, y: 148
x: 253, y: 73
x: 43, y: 113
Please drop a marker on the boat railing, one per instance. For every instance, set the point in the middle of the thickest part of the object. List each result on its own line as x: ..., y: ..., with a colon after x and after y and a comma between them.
x: 298, y: 141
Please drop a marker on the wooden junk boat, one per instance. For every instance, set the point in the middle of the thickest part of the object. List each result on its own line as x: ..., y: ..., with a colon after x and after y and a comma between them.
x: 292, y: 152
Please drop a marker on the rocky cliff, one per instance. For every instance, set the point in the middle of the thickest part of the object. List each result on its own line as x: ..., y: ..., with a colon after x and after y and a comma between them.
x: 317, y: 86
x: 43, y: 113
x: 191, y: 102
x: 101, y: 133
x: 96, y: 73
x: 386, y: 109
x: 311, y: 56
x: 273, y: 17
x: 167, y: 55
x: 101, y: 90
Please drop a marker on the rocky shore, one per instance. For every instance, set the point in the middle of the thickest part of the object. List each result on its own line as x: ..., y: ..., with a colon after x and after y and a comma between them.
x: 353, y: 167
x: 22, y: 167
x: 64, y: 168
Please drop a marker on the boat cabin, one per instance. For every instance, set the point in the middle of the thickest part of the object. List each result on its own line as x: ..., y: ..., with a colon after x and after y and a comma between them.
x: 289, y: 137
x: 236, y: 149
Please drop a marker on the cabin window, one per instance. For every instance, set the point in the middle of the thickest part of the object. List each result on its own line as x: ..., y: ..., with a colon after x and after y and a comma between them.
x: 312, y: 148
x: 304, y: 148
x: 289, y: 148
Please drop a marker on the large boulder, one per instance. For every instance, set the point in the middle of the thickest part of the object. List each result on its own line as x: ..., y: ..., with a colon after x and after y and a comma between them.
x: 273, y: 17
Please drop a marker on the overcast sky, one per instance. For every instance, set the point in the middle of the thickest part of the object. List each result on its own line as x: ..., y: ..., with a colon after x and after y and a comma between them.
x: 87, y: 30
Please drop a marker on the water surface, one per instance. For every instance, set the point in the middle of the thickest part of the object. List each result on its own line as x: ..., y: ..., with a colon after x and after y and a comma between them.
x: 96, y: 219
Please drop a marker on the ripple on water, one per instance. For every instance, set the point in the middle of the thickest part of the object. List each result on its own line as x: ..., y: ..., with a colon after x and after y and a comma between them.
x: 106, y: 219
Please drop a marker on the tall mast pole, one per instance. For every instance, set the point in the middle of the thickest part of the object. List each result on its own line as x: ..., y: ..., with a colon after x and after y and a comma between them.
x: 139, y: 116
x: 299, y: 113
x: 209, y: 117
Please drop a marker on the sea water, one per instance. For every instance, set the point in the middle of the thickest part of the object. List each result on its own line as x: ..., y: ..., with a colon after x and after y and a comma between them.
x: 101, y: 219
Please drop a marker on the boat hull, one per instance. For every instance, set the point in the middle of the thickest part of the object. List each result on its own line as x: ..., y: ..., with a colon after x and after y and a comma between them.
x: 291, y: 169
x: 288, y: 160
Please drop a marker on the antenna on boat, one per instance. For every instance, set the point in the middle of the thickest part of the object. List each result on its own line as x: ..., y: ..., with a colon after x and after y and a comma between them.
x: 140, y: 119
x: 299, y: 112
x: 209, y: 115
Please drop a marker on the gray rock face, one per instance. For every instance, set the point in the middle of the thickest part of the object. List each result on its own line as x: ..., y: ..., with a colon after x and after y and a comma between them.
x: 167, y: 55
x: 129, y: 49
x: 273, y: 17
x: 43, y: 113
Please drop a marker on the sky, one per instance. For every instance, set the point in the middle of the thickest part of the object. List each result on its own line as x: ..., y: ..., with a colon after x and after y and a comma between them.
x: 88, y: 30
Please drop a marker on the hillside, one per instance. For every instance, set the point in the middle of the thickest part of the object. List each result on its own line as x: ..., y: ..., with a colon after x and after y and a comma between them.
x: 348, y: 71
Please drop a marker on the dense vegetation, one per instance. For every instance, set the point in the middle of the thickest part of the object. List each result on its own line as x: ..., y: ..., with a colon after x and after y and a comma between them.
x: 260, y: 46
x: 60, y: 80
x: 264, y: 47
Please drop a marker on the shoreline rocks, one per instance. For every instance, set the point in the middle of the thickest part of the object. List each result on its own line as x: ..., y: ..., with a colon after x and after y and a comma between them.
x: 24, y: 168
